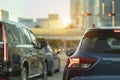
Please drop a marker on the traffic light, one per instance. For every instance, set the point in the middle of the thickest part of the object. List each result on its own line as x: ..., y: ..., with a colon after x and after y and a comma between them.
x: 87, y: 14
x: 111, y: 14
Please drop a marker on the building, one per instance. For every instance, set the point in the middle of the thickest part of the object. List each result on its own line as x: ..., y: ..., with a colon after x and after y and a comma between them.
x: 88, y: 13
x: 53, y: 21
x: 42, y: 22
x: 4, y: 15
x: 78, y: 10
x: 76, y: 13
x: 26, y: 21
x: 109, y: 6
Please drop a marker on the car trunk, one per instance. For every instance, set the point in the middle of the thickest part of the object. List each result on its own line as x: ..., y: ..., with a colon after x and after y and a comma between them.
x: 108, y: 64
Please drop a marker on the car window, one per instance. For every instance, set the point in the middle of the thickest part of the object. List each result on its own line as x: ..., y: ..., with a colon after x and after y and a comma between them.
x: 100, y: 41
x: 12, y: 36
x: 26, y: 36
x: 16, y: 32
x: 48, y: 49
x: 33, y: 38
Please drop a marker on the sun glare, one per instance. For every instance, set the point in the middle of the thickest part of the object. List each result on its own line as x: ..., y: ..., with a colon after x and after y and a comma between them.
x: 66, y: 21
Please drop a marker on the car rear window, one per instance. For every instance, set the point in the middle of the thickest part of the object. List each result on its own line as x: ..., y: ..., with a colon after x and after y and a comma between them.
x: 101, y: 41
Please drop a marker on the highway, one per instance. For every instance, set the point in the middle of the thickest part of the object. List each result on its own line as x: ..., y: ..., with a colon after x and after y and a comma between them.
x: 58, y: 75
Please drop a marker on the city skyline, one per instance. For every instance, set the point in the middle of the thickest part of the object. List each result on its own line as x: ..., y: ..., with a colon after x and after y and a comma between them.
x: 36, y: 9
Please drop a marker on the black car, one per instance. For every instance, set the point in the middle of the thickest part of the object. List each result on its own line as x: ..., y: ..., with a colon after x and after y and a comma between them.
x: 98, y: 54
x: 20, y: 54
x: 53, y: 61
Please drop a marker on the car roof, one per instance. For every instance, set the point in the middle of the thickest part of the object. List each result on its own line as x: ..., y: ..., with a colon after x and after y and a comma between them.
x: 102, y: 28
x: 106, y: 28
x: 20, y: 25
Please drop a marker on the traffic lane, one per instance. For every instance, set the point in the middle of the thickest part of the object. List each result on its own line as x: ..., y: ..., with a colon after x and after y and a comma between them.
x: 58, y: 75
x: 55, y: 76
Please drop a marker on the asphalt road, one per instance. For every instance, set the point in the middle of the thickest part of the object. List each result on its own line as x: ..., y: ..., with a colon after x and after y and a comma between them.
x: 58, y: 75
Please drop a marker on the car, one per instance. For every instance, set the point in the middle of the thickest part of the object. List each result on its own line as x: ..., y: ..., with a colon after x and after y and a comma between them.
x: 97, y: 78
x: 21, y: 56
x: 53, y: 61
x: 98, y: 54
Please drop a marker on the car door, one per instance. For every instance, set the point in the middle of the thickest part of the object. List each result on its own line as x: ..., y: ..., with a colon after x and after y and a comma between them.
x: 55, y: 57
x: 37, y: 58
x: 29, y: 50
x: 56, y: 61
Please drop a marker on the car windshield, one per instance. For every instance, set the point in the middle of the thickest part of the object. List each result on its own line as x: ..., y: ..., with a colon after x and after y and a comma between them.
x: 101, y: 41
x: 48, y: 49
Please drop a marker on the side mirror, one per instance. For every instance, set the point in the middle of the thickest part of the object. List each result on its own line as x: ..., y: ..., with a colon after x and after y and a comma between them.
x: 41, y: 43
x: 70, y: 52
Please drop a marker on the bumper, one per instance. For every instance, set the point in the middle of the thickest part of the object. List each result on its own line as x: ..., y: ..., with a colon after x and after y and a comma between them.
x: 97, y: 78
x: 9, y: 74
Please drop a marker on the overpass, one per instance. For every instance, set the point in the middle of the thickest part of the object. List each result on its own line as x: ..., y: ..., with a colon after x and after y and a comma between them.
x: 59, y: 37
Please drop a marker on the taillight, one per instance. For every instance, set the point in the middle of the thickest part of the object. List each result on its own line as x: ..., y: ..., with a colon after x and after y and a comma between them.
x: 74, y: 62
x: 4, y: 43
x: 82, y: 63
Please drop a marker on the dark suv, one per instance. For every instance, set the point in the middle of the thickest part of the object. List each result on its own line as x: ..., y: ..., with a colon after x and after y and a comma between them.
x: 21, y: 57
x: 97, y: 56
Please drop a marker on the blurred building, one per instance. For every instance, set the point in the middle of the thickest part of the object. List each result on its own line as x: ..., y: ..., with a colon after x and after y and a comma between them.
x: 83, y: 13
x: 4, y: 15
x: 76, y: 13
x: 53, y: 21
x: 26, y: 21
x: 89, y: 13
x: 42, y: 22
x: 109, y: 6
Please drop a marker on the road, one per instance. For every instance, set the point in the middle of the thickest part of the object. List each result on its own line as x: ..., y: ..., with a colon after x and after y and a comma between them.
x: 58, y: 75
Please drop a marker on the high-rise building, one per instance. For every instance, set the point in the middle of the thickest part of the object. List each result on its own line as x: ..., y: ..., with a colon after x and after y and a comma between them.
x: 78, y: 10
x: 89, y: 8
x: 4, y: 15
x: 109, y: 6
x: 76, y: 13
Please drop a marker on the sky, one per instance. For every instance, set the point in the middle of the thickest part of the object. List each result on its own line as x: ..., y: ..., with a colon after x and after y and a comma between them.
x: 35, y: 8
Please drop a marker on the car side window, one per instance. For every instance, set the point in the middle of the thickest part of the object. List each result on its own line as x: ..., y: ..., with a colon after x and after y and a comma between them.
x: 16, y: 32
x: 26, y: 36
x: 32, y: 37
x: 9, y: 34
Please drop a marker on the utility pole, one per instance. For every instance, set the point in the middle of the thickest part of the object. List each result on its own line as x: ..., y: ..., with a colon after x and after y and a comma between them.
x: 113, y: 12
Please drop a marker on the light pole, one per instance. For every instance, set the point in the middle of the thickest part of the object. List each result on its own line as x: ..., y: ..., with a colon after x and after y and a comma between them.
x: 113, y: 12
x: 103, y: 9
